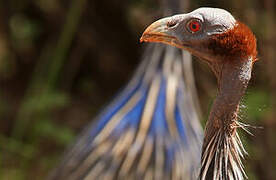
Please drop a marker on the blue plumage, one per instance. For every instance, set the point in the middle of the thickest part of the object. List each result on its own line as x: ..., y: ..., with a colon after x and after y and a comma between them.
x: 159, y: 125
x: 150, y: 131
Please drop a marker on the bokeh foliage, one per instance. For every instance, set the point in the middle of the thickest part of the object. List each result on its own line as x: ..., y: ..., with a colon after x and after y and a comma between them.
x: 61, y: 61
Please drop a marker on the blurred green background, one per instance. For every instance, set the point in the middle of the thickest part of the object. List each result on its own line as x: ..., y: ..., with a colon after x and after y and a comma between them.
x: 61, y: 61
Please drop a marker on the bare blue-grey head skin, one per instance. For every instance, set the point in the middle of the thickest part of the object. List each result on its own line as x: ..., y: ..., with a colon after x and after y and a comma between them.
x: 174, y: 31
x: 215, y: 21
x: 229, y: 48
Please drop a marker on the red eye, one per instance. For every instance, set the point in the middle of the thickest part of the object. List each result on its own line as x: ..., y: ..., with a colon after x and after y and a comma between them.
x: 194, y: 26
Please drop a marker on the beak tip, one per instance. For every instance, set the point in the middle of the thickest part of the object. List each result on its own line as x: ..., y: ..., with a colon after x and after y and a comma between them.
x: 155, y: 32
x: 144, y: 37
x: 141, y: 39
x: 158, y: 32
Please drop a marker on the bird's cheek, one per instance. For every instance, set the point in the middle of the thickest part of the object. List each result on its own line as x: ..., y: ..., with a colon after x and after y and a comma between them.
x: 201, y: 52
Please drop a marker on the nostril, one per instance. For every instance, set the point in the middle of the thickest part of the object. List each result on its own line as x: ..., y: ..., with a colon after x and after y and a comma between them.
x: 171, y: 24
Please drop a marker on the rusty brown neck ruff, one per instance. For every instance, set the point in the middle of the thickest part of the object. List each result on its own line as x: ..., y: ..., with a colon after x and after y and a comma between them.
x: 222, y: 148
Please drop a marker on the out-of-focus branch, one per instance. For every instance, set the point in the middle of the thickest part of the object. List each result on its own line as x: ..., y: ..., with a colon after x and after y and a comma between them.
x: 57, y: 61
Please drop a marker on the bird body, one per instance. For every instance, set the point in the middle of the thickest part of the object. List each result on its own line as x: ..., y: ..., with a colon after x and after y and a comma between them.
x: 150, y: 131
x: 229, y: 48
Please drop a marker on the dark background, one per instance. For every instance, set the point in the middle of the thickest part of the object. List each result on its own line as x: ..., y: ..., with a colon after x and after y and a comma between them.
x: 61, y: 61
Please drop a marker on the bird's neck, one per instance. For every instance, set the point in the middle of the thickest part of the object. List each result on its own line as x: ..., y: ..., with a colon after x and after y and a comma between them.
x: 233, y: 77
x: 221, y: 141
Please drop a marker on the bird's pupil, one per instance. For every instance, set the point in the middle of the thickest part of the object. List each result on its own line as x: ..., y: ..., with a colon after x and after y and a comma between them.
x: 194, y: 26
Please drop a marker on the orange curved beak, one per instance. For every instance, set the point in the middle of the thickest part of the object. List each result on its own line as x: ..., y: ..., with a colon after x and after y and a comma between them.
x: 159, y: 32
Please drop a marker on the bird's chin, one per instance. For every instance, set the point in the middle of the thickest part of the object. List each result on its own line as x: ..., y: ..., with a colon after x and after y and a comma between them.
x: 172, y: 41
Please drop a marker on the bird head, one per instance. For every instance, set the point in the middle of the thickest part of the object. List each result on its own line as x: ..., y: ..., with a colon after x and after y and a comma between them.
x: 208, y: 33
